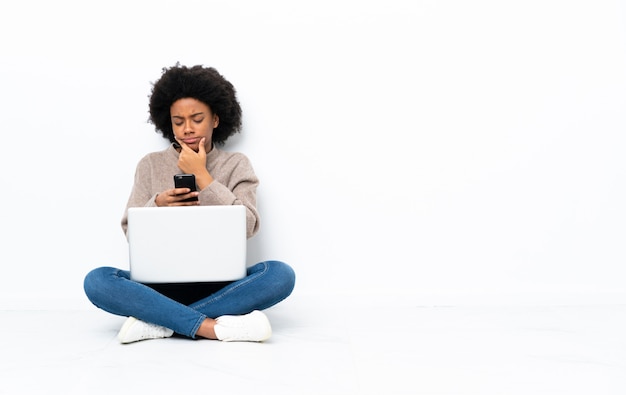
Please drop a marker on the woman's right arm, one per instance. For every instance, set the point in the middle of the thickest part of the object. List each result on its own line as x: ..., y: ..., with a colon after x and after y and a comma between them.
x: 141, y: 194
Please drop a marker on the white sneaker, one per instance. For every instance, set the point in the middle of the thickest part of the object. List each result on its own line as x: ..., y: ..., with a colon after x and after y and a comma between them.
x: 134, y: 330
x: 252, y: 327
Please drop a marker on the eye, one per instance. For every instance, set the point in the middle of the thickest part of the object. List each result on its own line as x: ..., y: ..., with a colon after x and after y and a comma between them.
x: 198, y: 120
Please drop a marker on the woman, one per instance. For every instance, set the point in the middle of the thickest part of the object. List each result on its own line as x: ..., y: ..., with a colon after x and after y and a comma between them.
x: 196, y: 109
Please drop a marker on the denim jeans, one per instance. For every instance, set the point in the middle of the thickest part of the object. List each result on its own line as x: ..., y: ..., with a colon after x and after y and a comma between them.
x: 112, y: 290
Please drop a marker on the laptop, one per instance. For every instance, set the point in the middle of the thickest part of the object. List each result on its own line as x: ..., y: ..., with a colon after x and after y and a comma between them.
x: 187, y: 244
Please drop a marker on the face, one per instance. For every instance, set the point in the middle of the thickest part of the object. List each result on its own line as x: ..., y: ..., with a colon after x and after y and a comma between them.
x: 191, y: 121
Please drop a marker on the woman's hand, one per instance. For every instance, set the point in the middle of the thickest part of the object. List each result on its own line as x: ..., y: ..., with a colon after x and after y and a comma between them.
x: 192, y: 162
x: 175, y: 197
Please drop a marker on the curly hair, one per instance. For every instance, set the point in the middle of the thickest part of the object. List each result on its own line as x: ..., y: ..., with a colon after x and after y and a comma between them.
x: 204, y: 84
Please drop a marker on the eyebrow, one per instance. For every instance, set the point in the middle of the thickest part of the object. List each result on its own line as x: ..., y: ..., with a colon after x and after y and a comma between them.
x: 192, y: 115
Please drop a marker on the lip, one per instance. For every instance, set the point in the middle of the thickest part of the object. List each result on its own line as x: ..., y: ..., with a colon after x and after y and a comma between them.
x: 191, y: 140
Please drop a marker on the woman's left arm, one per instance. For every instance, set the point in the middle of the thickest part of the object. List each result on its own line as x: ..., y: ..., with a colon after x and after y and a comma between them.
x: 234, y: 183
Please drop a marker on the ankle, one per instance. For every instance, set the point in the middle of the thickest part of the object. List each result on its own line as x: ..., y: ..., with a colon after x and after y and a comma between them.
x: 207, y: 329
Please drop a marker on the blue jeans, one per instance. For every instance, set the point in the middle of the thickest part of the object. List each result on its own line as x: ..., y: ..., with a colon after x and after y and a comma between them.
x: 112, y: 290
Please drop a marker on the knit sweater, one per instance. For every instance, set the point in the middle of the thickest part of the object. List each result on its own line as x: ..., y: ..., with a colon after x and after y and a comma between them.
x: 234, y: 182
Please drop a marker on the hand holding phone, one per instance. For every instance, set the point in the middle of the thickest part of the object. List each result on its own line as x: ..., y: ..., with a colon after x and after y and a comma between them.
x: 186, y: 181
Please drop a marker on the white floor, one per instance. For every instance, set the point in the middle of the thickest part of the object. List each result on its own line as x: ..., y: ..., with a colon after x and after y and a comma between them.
x: 329, y: 347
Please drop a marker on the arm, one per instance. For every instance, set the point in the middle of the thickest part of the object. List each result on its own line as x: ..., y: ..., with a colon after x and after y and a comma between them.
x: 152, y: 186
x: 140, y: 195
x: 229, y: 182
x: 234, y: 183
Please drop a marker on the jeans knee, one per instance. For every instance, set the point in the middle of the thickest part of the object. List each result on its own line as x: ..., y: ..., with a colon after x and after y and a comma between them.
x: 285, y: 277
x: 95, y: 283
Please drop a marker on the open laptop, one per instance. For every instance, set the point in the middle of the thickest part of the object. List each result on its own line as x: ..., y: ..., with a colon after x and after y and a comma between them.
x: 187, y: 244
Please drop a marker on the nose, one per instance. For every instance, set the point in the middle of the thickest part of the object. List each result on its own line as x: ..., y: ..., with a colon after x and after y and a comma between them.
x: 188, y: 129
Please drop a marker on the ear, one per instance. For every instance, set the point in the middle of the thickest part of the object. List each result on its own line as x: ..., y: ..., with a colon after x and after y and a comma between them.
x: 216, y: 121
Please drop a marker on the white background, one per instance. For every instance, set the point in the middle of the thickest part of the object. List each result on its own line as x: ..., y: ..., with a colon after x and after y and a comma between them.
x: 445, y: 151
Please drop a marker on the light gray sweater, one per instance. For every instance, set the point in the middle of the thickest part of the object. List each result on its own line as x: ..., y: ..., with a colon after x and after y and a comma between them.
x: 234, y: 182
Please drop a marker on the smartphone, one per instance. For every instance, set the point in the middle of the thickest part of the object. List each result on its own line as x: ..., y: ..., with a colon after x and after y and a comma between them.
x: 186, y: 181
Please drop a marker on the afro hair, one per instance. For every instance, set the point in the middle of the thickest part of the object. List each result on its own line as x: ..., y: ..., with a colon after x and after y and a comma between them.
x: 204, y: 84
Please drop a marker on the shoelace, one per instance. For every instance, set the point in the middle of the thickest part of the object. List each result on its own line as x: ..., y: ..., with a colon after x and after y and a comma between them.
x: 152, y: 330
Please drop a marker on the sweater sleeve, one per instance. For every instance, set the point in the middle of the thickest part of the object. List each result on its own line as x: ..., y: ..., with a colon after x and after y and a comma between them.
x: 237, y: 186
x: 141, y: 194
